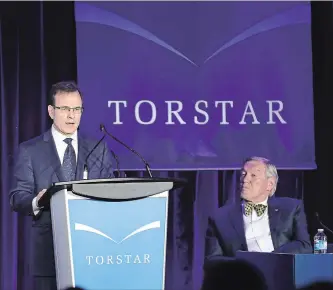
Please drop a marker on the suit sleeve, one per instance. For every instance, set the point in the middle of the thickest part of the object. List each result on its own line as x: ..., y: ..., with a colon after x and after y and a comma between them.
x: 107, y: 168
x: 213, y: 250
x: 300, y: 243
x: 22, y: 187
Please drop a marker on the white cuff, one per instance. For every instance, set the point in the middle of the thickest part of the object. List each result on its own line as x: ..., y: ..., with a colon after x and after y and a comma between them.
x: 35, y: 208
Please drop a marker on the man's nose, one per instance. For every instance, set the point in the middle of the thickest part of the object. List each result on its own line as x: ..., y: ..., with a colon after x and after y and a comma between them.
x: 70, y: 114
x: 246, y: 178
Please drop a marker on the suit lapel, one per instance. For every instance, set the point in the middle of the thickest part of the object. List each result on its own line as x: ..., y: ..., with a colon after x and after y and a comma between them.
x: 236, y: 217
x: 52, y: 155
x: 274, y: 214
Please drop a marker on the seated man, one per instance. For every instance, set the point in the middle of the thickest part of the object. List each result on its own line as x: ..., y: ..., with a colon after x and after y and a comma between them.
x: 259, y: 222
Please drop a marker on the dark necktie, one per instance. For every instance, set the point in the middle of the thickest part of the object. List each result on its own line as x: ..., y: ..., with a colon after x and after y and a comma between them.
x: 69, y: 162
x: 259, y: 208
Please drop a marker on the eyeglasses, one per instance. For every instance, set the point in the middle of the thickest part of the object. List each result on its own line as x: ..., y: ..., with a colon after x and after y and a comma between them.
x: 76, y: 110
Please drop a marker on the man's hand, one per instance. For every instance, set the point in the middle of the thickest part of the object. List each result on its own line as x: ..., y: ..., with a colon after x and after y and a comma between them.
x: 39, y: 195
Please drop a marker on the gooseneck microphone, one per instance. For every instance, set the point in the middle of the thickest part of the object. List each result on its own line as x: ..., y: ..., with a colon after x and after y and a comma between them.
x: 117, y: 161
x: 325, y: 227
x: 102, y: 127
x: 85, y: 167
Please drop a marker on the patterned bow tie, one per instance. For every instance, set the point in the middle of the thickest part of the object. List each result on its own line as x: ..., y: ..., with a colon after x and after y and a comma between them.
x: 259, y: 208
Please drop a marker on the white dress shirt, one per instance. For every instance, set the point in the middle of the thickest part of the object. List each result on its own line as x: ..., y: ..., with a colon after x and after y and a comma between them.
x: 61, y: 145
x: 257, y: 231
x: 61, y: 148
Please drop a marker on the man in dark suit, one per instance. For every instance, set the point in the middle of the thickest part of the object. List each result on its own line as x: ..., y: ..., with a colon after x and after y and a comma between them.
x: 259, y: 222
x: 57, y: 155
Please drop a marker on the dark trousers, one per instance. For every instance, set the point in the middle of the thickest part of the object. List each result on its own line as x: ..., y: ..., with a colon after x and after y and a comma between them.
x: 45, y: 283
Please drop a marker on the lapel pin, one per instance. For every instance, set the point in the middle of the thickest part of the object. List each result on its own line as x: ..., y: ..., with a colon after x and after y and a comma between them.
x: 276, y: 209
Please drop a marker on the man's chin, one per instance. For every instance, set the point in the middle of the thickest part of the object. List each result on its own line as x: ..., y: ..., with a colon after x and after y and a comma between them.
x: 67, y: 129
x: 70, y: 129
x: 244, y: 194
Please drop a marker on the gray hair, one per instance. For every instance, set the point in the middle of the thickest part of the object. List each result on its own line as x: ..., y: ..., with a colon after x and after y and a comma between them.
x: 271, y: 170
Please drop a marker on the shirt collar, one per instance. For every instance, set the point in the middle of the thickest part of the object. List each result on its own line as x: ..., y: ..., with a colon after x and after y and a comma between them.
x: 265, y: 202
x: 61, y: 137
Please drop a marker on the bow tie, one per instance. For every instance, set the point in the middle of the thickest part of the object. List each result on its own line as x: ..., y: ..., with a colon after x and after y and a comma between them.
x: 259, y: 208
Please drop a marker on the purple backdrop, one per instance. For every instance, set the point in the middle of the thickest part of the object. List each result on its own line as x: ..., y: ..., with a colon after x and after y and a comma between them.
x: 237, y: 76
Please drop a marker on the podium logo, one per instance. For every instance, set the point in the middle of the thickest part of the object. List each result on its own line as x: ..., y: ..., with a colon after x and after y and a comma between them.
x: 85, y: 228
x: 119, y: 259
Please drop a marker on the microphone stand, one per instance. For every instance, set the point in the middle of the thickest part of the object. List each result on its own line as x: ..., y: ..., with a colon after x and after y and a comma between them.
x: 325, y: 227
x: 102, y: 127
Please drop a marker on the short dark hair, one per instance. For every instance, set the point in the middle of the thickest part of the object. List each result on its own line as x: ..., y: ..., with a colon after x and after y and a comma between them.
x: 62, y: 87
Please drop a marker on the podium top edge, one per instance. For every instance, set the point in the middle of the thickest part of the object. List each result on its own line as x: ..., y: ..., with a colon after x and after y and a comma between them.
x: 178, y: 182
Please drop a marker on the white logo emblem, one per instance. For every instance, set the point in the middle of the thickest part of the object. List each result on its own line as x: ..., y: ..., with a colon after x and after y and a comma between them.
x: 82, y: 227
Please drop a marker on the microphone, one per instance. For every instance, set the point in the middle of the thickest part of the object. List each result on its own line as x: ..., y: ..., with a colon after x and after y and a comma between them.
x: 102, y: 127
x: 117, y: 161
x: 325, y: 227
x: 85, y: 167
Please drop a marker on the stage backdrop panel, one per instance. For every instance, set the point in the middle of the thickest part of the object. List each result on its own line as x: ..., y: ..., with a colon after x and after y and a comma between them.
x: 198, y: 85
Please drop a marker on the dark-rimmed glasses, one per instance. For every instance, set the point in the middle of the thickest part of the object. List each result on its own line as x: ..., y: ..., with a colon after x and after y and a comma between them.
x: 66, y: 109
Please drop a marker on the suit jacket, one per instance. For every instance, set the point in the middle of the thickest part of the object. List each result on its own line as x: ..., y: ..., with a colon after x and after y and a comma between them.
x: 37, y: 166
x: 226, y: 235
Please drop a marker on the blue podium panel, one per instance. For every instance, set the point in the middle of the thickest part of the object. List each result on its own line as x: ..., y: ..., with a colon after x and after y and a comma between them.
x: 291, y: 271
x: 118, y: 245
x: 313, y: 268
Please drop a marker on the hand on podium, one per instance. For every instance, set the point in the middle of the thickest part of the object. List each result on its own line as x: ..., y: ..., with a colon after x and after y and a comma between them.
x: 40, y: 194
x: 35, y: 202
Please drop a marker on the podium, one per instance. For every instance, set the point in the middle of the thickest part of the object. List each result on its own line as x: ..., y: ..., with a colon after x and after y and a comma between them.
x: 110, y: 233
x: 290, y: 271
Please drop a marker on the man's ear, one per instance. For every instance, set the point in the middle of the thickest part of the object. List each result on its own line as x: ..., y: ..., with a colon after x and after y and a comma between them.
x: 50, y: 109
x: 271, y: 184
